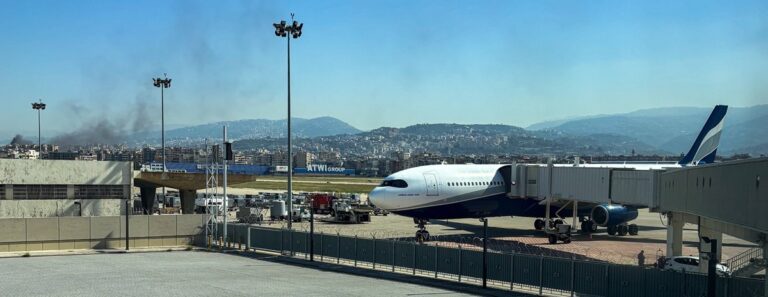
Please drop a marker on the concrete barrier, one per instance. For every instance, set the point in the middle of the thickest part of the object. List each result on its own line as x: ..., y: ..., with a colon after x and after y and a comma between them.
x: 68, y: 233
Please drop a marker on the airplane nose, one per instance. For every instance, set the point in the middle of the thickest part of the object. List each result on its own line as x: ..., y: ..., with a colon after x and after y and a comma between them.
x: 377, y: 197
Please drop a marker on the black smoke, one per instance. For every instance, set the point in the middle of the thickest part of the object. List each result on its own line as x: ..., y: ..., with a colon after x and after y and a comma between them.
x: 190, y: 52
x: 18, y: 139
x: 108, y: 127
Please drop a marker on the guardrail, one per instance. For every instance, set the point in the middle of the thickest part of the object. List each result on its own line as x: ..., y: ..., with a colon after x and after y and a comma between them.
x: 538, y: 274
x: 744, y: 259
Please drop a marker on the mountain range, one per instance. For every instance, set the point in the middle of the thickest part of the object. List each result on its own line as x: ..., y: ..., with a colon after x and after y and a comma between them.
x: 674, y: 129
x: 254, y: 128
x: 669, y: 131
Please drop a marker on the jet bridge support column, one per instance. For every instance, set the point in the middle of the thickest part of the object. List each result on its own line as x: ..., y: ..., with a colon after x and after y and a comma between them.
x: 575, y: 214
x: 675, y: 224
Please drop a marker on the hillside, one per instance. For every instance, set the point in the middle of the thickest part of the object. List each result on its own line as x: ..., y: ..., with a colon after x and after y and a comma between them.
x: 674, y: 129
x: 255, y: 128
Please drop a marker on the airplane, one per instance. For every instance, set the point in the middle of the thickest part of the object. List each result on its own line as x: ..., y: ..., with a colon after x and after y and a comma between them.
x: 479, y: 190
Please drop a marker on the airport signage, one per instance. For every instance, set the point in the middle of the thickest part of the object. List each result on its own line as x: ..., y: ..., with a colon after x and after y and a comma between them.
x: 322, y: 168
x: 281, y: 168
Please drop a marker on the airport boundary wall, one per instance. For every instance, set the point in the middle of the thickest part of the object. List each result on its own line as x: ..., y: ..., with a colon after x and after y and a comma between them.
x: 107, y: 232
x: 519, y: 272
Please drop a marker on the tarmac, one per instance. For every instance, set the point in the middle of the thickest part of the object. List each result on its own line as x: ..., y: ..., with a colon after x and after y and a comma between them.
x: 198, y: 273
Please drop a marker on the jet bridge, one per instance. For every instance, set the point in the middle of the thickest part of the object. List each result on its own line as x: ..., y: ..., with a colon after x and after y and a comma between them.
x: 596, y: 195
x: 723, y: 198
x: 598, y: 185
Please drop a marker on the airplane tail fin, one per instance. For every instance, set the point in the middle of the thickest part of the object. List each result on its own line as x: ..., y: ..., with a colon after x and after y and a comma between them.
x: 705, y: 147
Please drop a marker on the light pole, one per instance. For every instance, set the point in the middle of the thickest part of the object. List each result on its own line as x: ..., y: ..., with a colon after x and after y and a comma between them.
x: 162, y: 83
x: 292, y: 30
x: 38, y: 106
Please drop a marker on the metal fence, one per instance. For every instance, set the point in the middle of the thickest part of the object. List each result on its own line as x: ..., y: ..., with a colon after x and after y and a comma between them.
x: 537, y: 274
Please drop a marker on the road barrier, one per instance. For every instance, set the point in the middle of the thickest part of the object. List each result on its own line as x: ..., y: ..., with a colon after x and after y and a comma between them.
x: 538, y: 274
x: 106, y: 232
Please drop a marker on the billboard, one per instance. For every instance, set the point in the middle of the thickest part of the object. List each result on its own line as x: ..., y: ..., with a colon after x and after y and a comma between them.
x: 324, y: 169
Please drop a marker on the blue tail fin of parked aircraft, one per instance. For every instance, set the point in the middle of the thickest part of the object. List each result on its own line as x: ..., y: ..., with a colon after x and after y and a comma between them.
x: 705, y: 147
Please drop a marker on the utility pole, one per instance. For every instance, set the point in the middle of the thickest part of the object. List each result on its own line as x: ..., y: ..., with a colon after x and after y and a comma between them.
x: 289, y: 31
x: 485, y: 251
x: 224, y: 203
x: 711, y: 267
x: 162, y: 83
x: 312, y: 230
x: 127, y: 230
x: 39, y: 106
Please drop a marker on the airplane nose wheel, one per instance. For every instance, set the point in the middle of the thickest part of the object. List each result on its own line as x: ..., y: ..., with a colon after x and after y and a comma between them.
x: 422, y: 234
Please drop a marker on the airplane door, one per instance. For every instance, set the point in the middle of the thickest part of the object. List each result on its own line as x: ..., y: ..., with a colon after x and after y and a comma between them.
x: 431, y: 180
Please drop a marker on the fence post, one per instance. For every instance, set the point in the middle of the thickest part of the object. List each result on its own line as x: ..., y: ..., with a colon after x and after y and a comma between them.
x: 414, y: 258
x: 248, y: 244
x: 290, y: 241
x: 541, y: 275
x: 511, y: 272
x: 374, y: 252
x: 684, y: 287
x: 355, y: 251
x: 282, y: 248
x: 306, y: 248
x: 573, y: 277
x: 338, y: 248
x: 436, y: 263
x: 394, y: 252
x: 461, y: 253
x: 322, y: 247
x: 608, y: 281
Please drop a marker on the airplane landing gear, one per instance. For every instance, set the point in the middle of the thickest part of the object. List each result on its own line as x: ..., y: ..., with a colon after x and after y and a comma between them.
x: 623, y: 229
x: 633, y: 230
x: 588, y: 226
x: 422, y: 234
x: 538, y: 224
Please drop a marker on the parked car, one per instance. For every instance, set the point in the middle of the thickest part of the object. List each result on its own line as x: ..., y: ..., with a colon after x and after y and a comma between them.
x: 691, y: 264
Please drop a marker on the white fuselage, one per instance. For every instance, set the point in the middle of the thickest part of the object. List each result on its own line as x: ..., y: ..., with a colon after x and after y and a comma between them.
x: 434, y: 185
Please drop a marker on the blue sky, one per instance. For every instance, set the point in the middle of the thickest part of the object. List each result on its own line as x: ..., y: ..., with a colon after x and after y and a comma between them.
x: 375, y: 63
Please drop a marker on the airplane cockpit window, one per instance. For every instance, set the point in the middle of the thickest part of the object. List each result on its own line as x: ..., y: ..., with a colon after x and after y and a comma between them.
x: 397, y: 183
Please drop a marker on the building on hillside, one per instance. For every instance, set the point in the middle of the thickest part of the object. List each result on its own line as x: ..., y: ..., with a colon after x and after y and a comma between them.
x: 302, y: 159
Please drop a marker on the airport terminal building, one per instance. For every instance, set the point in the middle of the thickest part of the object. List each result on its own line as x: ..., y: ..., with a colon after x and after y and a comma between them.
x: 50, y: 188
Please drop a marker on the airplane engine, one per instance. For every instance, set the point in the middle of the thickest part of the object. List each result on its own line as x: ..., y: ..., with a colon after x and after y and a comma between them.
x: 611, y: 215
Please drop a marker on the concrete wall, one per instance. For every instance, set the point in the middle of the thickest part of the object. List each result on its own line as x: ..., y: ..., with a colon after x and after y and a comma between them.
x: 68, y: 233
x: 65, y: 172
x: 61, y: 208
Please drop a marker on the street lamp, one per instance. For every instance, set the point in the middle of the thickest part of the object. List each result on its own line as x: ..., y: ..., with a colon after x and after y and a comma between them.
x: 293, y: 30
x: 162, y: 83
x: 38, y: 106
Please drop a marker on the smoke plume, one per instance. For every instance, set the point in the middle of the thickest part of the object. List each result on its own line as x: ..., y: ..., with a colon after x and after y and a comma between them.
x: 108, y: 127
x: 18, y: 139
x: 190, y: 51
